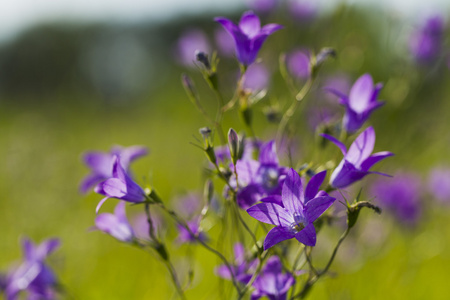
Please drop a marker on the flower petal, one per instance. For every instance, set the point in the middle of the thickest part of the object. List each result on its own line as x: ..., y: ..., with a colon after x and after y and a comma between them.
x: 239, y: 253
x: 307, y: 235
x: 247, y: 171
x: 270, y: 213
x: 100, y: 204
x: 313, y: 185
x: 269, y: 29
x: 90, y: 181
x: 317, y: 206
x: 120, y: 213
x: 268, y: 154
x: 276, y: 235
x: 273, y: 199
x: 336, y: 142
x: 292, y: 193
x: 374, y: 158
x: 361, y: 93
x: 250, y: 24
x: 362, y: 147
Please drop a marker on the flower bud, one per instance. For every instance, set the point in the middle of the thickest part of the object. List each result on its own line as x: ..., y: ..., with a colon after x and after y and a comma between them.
x: 233, y: 144
x: 202, y: 57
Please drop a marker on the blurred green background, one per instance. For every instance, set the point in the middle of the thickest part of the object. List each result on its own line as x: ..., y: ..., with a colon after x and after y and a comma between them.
x: 69, y: 88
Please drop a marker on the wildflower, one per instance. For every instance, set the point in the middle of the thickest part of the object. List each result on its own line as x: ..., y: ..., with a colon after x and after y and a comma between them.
x: 295, y: 211
x: 439, y: 184
x: 426, y: 42
x: 33, y: 275
x: 298, y: 64
x: 191, y: 41
x: 259, y: 178
x: 358, y: 160
x: 120, y: 186
x: 360, y: 103
x: 101, y: 163
x: 256, y: 78
x: 248, y: 35
x: 116, y: 224
x: 242, y: 269
x: 272, y: 282
x: 184, y: 236
x: 401, y: 196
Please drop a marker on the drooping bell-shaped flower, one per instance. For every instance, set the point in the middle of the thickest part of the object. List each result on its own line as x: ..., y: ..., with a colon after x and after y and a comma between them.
x: 116, y: 224
x: 357, y: 160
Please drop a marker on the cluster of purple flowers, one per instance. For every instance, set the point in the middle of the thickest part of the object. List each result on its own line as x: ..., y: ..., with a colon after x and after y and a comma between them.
x: 33, y: 275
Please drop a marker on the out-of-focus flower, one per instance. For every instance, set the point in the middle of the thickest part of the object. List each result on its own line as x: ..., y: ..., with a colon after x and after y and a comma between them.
x: 120, y: 186
x: 303, y: 11
x: 262, y: 6
x: 295, y: 211
x: 401, y: 196
x: 259, y: 178
x: 224, y: 42
x: 360, y: 103
x: 188, y: 205
x: 248, y: 35
x: 298, y: 64
x: 101, y: 163
x: 439, y: 184
x: 256, y: 78
x: 184, y: 236
x: 358, y: 160
x: 116, y: 224
x: 33, y: 275
x: 191, y: 41
x: 337, y: 82
x: 425, y: 43
x: 251, y: 145
x: 242, y: 269
x: 272, y: 282
x: 321, y: 116
x: 141, y: 227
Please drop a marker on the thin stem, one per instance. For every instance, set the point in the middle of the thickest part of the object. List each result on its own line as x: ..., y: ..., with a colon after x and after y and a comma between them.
x: 258, y: 270
x: 174, y: 277
x: 291, y: 110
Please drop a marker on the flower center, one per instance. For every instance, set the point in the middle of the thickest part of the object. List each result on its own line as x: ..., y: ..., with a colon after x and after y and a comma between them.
x: 298, y: 224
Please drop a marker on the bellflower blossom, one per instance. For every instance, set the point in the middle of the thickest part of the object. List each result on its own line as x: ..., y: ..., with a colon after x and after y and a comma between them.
x: 184, y: 236
x: 120, y: 186
x: 116, y: 224
x: 360, y: 103
x: 33, y: 275
x: 439, y: 184
x: 191, y: 41
x: 401, y: 196
x: 358, y: 160
x: 242, y: 269
x: 248, y: 35
x: 298, y: 63
x: 259, y: 178
x: 425, y: 43
x: 101, y: 163
x: 141, y: 227
x: 272, y: 282
x: 295, y: 211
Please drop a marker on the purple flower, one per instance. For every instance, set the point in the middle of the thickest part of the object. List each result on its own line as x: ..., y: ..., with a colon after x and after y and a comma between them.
x: 242, y: 269
x: 295, y: 211
x: 439, y: 184
x: 33, y: 275
x: 338, y: 82
x: 425, y: 43
x: 272, y: 282
x: 191, y: 41
x: 360, y: 103
x: 223, y: 152
x: 184, y: 236
x: 188, y: 205
x: 224, y: 42
x: 141, y: 227
x: 120, y: 186
x: 116, y: 224
x: 358, y: 160
x: 303, y: 11
x: 248, y: 35
x: 260, y: 178
x: 298, y: 64
x: 101, y: 163
x: 256, y: 78
x: 401, y: 196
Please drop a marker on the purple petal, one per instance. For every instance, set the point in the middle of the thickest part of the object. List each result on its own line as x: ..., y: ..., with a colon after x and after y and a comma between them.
x: 120, y: 213
x: 268, y: 154
x: 307, y: 235
x: 343, y: 99
x: 270, y: 213
x: 112, y: 187
x: 249, y: 195
x: 100, y: 204
x: 269, y: 29
x: 228, y: 25
x: 46, y: 248
x: 362, y: 147
x: 90, y: 181
x: 276, y: 235
x: 313, y: 185
x: 111, y: 225
x: 100, y: 163
x: 317, y: 206
x: 28, y: 249
x: 292, y: 193
x: 273, y: 199
x: 250, y: 24
x: 376, y: 91
x: 223, y: 272
x: 345, y: 174
x: 239, y: 253
x: 336, y: 142
x: 247, y: 171
x: 361, y: 94
x: 373, y: 159
x: 129, y: 154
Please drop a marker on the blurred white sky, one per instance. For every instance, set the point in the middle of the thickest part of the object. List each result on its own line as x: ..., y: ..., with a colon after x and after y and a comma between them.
x: 15, y: 15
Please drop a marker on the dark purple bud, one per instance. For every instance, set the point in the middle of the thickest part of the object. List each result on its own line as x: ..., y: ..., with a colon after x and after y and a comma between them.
x: 202, y: 57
